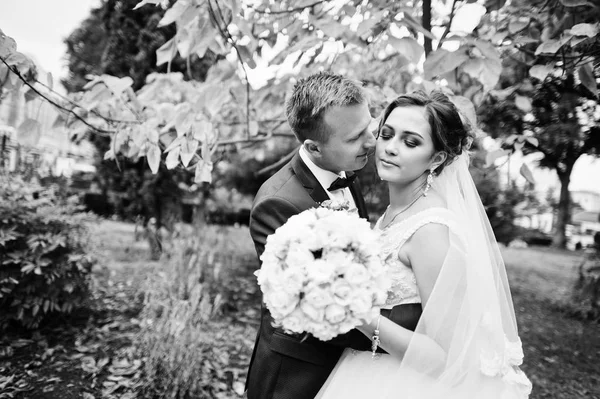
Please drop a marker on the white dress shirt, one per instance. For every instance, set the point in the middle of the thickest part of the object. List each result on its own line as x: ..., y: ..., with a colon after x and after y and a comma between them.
x: 325, y: 178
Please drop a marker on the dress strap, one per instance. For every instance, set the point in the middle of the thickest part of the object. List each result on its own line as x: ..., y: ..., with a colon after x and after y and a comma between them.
x: 398, y: 234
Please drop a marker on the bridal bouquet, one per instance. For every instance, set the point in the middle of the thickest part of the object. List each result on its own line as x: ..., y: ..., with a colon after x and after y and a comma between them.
x: 321, y: 273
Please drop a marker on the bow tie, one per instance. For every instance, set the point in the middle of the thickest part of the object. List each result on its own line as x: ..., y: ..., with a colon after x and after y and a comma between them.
x: 341, y: 182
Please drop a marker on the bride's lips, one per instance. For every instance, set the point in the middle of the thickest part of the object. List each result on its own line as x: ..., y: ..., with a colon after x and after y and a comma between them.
x: 388, y: 163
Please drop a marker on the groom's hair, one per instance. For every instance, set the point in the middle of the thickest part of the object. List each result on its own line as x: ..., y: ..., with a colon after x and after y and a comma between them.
x: 312, y: 96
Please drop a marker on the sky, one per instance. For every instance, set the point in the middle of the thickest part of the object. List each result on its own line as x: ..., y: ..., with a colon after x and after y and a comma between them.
x: 40, y: 27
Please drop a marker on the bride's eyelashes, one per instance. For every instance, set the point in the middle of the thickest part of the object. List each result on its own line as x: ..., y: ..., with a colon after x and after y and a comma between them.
x: 387, y: 134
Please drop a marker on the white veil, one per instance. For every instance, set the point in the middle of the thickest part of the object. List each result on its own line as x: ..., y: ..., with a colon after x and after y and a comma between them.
x: 469, y: 314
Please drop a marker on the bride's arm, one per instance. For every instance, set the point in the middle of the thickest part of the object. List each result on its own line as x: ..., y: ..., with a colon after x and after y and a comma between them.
x: 425, y: 252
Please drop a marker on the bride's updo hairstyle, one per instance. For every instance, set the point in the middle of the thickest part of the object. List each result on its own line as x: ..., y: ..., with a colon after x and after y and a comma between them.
x: 450, y: 131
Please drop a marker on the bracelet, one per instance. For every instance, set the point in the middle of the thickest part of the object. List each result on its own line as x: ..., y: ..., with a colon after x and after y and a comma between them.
x: 375, y: 338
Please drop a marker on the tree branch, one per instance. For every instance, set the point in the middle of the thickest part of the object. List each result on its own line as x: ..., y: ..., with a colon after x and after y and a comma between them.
x: 426, y: 23
x: 449, y: 24
x: 227, y: 36
x: 70, y: 111
x: 289, y: 10
x: 67, y: 99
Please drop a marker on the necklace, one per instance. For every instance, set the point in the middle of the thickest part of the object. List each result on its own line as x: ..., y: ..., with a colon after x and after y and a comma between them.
x: 402, y: 211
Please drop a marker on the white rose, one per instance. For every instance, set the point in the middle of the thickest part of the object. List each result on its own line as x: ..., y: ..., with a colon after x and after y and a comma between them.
x: 342, y: 292
x: 298, y: 256
x: 320, y: 271
x: 318, y: 297
x: 335, y: 313
x: 291, y: 280
x: 360, y: 304
x: 338, y: 257
x: 281, y: 303
x: 356, y: 274
x: 322, y: 331
x: 313, y: 313
x: 347, y: 325
x: 294, y: 322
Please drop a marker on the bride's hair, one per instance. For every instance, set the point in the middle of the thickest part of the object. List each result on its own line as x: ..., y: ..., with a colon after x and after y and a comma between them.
x: 450, y: 131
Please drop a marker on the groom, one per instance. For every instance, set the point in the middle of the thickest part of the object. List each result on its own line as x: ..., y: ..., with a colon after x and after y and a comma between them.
x: 329, y: 115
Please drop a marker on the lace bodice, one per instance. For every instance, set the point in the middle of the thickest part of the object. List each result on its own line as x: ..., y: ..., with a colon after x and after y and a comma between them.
x: 404, y: 286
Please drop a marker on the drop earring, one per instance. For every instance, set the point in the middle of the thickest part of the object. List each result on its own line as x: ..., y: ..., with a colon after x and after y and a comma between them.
x: 429, y: 181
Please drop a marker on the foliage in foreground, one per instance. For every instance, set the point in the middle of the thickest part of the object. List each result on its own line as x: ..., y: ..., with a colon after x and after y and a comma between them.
x: 182, y: 338
x: 44, y: 267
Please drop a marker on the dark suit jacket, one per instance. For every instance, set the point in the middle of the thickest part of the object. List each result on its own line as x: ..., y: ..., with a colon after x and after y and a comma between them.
x: 285, y: 366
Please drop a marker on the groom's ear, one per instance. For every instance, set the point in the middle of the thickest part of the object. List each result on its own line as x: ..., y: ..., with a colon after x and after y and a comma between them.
x: 312, y: 147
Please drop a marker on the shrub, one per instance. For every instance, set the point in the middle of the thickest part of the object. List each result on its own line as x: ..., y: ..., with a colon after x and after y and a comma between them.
x: 185, y: 345
x: 43, y: 266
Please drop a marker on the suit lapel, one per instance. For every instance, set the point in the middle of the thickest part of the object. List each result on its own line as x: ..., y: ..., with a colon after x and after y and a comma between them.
x: 358, y: 198
x: 308, y: 180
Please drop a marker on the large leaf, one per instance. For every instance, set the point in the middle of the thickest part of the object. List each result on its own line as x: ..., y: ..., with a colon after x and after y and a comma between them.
x: 175, y: 12
x: 364, y: 29
x: 466, y: 107
x: 551, y: 46
x: 153, y: 157
x: 486, y: 70
x: 493, y: 5
x: 166, y: 52
x: 488, y: 50
x: 29, y: 132
x: 7, y: 45
x: 413, y: 24
x: 589, y: 30
x: 203, y: 172
x: 173, y: 158
x: 117, y: 85
x: 526, y: 173
x: 441, y: 61
x: 188, y: 150
x: 408, y: 48
x: 467, y: 18
x: 518, y: 24
x: 492, y: 156
x: 184, y: 117
x: 163, y: 3
x: 203, y: 40
x: 541, y: 71
x: 586, y: 75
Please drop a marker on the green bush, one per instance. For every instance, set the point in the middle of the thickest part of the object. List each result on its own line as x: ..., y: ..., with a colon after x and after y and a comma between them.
x: 184, y: 341
x: 43, y: 266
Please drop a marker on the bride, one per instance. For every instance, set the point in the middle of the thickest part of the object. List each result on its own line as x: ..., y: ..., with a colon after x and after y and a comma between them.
x: 442, y: 253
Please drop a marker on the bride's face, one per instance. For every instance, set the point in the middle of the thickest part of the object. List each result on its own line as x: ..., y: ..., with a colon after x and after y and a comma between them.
x: 405, y: 148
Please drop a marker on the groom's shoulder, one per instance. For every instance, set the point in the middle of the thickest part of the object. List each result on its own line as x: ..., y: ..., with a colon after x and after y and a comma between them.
x: 283, y: 185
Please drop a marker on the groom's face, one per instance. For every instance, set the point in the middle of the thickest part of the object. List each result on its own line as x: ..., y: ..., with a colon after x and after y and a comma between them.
x: 350, y: 140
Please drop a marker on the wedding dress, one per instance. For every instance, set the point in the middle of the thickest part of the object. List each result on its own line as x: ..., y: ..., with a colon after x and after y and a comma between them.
x: 469, y: 313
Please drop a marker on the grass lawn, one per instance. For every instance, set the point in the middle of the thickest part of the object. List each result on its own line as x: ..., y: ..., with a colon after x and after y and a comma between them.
x: 562, y: 354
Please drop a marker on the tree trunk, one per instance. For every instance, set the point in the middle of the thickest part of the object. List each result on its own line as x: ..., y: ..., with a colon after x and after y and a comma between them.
x: 426, y: 22
x: 564, y: 209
